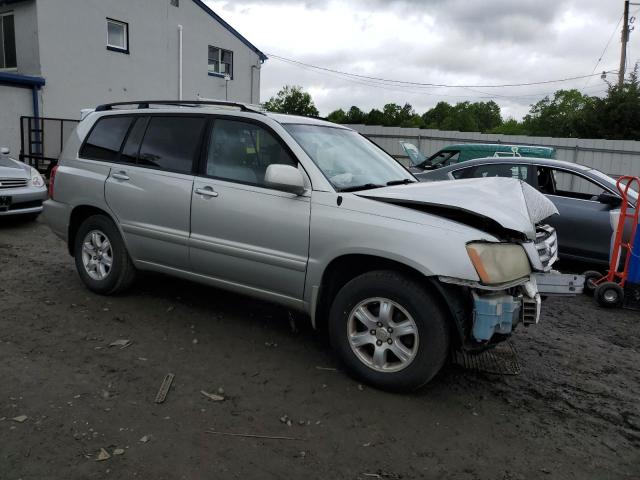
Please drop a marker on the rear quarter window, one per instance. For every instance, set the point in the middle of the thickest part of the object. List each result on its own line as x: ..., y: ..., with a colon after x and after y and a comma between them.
x: 105, y: 139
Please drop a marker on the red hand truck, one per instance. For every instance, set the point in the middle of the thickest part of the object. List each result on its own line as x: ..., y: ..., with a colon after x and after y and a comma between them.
x: 608, y: 290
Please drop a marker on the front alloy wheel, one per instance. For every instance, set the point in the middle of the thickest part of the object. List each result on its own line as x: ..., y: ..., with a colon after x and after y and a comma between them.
x: 382, y: 334
x: 389, y: 329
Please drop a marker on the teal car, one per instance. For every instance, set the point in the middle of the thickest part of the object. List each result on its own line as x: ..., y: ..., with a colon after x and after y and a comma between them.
x: 468, y: 151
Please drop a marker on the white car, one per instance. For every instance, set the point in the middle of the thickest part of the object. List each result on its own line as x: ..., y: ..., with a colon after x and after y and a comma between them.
x: 22, y: 188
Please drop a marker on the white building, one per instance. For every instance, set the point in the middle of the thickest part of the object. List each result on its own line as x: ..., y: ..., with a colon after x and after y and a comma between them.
x: 57, y: 57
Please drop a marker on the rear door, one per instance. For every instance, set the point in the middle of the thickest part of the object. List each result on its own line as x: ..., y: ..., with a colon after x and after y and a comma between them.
x: 243, y: 232
x: 149, y: 188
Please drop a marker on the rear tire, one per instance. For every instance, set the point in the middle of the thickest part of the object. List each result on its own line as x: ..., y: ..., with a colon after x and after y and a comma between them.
x: 609, y: 295
x: 101, y: 257
x: 589, y: 277
x: 412, y: 344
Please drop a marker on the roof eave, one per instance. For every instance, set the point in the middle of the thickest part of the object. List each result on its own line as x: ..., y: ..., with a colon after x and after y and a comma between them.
x: 232, y: 30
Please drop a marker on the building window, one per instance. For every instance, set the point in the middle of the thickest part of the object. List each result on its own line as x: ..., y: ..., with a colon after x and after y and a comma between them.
x: 175, y: 3
x: 117, y: 36
x: 220, y: 62
x: 7, y: 42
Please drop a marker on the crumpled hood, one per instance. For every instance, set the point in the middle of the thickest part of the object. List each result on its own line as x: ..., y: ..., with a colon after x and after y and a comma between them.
x: 10, y: 168
x: 513, y: 204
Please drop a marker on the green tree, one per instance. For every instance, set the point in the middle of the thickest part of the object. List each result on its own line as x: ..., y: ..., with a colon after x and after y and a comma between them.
x: 374, y: 117
x: 561, y: 116
x: 616, y: 116
x: 293, y: 100
x: 337, y: 116
x: 510, y: 127
x: 355, y: 115
x: 434, y: 117
x: 486, y: 114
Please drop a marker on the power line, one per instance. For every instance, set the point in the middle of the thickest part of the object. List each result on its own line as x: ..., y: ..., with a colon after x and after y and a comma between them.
x: 419, y: 84
x: 604, y: 50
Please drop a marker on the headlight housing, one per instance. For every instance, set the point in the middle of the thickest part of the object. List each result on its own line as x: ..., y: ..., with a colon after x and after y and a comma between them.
x: 498, y: 263
x: 36, y: 178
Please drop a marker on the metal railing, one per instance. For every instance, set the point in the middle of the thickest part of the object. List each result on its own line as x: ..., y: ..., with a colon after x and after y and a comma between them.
x: 42, y: 140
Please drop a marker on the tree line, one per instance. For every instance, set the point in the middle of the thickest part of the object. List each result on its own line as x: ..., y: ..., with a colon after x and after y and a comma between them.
x: 568, y: 113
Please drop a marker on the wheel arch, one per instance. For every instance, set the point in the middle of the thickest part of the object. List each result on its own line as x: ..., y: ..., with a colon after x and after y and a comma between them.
x: 78, y: 215
x: 342, y: 269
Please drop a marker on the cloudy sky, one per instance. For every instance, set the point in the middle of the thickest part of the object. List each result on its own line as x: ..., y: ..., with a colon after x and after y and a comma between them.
x: 450, y: 42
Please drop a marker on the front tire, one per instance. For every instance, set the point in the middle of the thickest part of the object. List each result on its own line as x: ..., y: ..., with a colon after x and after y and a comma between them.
x: 389, y: 330
x: 101, y: 257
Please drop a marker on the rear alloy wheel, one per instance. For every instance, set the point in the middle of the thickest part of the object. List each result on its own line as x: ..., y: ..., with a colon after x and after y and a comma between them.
x: 389, y: 330
x: 590, y: 276
x: 101, y: 257
x: 609, y: 295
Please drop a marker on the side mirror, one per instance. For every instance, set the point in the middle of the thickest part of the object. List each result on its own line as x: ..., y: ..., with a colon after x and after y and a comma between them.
x: 285, y: 178
x: 609, y: 199
x: 5, y: 151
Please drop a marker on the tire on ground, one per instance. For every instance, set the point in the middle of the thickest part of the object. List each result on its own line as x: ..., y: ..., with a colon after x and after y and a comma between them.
x: 609, y: 295
x: 589, y: 277
x: 419, y: 302
x: 122, y: 272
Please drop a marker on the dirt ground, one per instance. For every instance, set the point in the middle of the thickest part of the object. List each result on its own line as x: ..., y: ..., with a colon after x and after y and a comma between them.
x: 573, y: 412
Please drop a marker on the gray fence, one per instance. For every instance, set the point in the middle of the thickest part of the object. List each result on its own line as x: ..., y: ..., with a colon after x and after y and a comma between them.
x: 614, y: 157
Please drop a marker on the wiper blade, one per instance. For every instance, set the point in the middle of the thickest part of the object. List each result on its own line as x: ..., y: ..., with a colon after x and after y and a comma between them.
x: 404, y: 181
x: 366, y: 186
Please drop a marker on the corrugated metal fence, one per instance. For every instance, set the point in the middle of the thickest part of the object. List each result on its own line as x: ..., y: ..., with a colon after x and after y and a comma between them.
x: 614, y: 157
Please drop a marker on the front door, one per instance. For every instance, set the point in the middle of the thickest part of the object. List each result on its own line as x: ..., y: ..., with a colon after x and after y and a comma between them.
x: 243, y: 233
x: 149, y: 190
x: 584, y: 224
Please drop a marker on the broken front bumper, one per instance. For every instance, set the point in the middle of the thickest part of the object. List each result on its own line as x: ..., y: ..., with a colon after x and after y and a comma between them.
x: 499, y: 312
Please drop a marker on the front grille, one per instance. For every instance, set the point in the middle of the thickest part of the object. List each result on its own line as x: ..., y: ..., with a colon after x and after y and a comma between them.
x: 547, y: 245
x: 13, y: 182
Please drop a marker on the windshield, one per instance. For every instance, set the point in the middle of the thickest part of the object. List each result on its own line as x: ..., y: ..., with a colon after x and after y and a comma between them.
x: 347, y: 159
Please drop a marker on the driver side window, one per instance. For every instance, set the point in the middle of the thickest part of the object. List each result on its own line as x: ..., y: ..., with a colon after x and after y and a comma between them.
x: 567, y: 184
x: 241, y: 152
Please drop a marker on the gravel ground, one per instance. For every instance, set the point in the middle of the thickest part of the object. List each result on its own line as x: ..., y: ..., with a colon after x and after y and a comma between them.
x: 573, y: 412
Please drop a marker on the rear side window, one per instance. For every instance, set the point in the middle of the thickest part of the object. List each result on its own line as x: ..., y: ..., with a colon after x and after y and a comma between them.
x: 171, y: 143
x: 106, y: 138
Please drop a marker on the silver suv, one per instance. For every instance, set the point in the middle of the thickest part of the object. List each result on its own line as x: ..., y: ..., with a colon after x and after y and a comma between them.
x: 307, y: 214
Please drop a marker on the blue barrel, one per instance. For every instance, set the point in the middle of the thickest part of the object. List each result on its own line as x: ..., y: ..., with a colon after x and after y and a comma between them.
x: 633, y: 274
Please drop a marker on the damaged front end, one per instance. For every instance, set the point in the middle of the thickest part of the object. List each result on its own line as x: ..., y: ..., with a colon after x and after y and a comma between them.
x: 513, y: 265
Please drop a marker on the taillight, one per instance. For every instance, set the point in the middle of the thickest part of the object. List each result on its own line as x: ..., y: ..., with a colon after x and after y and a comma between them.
x: 52, y: 180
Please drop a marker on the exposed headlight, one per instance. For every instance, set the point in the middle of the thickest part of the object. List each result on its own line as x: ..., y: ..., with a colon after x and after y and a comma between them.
x: 498, y: 262
x: 36, y: 178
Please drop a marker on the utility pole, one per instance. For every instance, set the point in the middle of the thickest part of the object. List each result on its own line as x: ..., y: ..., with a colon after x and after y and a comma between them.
x: 625, y: 40
x: 626, y: 30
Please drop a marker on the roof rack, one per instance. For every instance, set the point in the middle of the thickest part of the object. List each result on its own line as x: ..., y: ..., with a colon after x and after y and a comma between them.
x: 179, y: 103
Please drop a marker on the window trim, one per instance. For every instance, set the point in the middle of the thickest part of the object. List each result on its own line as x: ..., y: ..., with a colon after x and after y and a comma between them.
x: 196, y: 158
x: 88, y: 135
x: 10, y: 13
x: 218, y: 74
x: 201, y: 172
x: 604, y: 187
x: 115, y: 48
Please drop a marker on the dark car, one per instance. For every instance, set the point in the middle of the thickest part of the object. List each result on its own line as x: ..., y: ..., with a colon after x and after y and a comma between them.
x: 583, y: 196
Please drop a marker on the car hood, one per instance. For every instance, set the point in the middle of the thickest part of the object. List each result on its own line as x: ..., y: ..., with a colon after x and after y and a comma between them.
x: 485, y: 203
x: 10, y: 168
